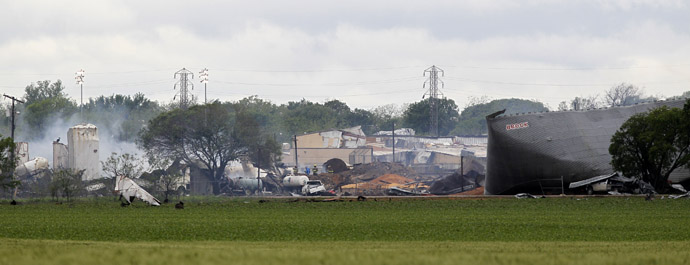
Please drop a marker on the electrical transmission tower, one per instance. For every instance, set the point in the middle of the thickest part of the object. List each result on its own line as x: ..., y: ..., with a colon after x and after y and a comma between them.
x: 433, y: 94
x: 184, y: 84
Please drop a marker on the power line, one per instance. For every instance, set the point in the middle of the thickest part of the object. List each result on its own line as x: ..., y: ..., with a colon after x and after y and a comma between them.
x: 555, y: 84
x: 568, y: 68
x: 316, y: 70
x: 374, y: 82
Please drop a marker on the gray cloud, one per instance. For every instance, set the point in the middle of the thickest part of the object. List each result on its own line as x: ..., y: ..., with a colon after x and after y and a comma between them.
x: 496, y: 48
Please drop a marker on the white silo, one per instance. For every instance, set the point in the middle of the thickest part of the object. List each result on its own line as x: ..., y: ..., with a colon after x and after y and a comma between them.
x: 60, y: 156
x: 82, y: 144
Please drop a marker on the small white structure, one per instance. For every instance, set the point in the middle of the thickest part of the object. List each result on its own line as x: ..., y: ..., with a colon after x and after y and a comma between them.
x: 128, y: 188
x: 60, y: 156
x: 82, y: 144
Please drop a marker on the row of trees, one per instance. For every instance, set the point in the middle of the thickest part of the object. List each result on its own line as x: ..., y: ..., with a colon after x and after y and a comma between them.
x: 622, y: 94
x: 124, y: 116
x: 46, y: 104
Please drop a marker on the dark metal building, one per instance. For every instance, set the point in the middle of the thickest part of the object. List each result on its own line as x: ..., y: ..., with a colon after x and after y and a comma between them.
x: 527, y: 152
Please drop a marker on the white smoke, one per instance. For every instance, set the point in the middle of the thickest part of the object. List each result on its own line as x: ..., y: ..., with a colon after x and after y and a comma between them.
x: 108, y: 140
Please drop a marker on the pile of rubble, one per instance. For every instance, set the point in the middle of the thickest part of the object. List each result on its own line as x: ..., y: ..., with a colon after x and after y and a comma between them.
x: 457, y: 183
x: 367, y: 172
x: 364, y: 173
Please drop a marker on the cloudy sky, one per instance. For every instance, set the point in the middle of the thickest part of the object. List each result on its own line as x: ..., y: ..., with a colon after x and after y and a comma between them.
x: 366, y: 53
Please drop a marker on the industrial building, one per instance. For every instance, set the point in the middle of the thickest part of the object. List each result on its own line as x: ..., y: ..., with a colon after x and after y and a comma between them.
x: 533, y: 152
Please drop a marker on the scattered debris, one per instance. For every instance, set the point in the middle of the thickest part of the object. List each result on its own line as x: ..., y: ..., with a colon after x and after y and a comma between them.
x: 395, y: 191
x: 456, y: 183
x: 679, y: 187
x: 128, y: 190
x: 527, y: 196
x: 685, y: 195
x: 613, y: 183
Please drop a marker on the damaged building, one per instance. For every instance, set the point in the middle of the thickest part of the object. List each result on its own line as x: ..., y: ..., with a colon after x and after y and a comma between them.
x: 531, y: 152
x: 432, y: 157
x: 348, y: 145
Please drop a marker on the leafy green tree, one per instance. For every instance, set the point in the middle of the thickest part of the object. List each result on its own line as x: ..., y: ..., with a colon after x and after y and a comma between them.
x: 473, y: 118
x: 417, y: 116
x: 7, y: 164
x: 209, y: 134
x: 651, y: 145
x: 305, y: 116
x: 43, y: 90
x: 43, y: 102
x: 66, y: 183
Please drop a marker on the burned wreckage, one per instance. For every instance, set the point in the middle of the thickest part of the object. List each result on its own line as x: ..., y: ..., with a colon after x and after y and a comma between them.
x: 535, y: 151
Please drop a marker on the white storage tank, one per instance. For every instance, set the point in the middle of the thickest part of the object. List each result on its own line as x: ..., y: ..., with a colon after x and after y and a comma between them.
x: 295, y: 181
x: 248, y: 183
x: 32, y: 166
x: 83, y: 150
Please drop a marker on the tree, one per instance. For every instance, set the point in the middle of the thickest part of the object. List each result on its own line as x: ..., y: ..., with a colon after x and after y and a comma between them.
x: 305, y: 116
x: 622, y: 95
x: 43, y: 101
x: 417, y: 116
x: 7, y: 164
x: 43, y: 90
x: 207, y: 134
x: 651, y: 145
x: 167, y: 175
x: 126, y: 164
x: 583, y: 103
x: 66, y: 183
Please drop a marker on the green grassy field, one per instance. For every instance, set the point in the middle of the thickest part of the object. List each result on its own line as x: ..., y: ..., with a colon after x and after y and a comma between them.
x: 244, y: 231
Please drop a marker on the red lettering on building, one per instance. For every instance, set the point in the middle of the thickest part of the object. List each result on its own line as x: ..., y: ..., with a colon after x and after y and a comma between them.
x: 515, y: 126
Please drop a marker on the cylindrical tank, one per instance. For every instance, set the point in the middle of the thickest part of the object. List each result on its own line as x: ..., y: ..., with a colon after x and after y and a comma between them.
x: 248, y: 183
x: 32, y: 166
x: 295, y: 181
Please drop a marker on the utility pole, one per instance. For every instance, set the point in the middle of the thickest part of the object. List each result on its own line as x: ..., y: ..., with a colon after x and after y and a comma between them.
x: 258, y: 171
x: 184, y: 83
x: 13, y: 113
x: 13, y: 147
x: 433, y: 94
x: 79, y: 77
x: 296, y: 164
x: 393, y: 142
x: 203, y: 75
